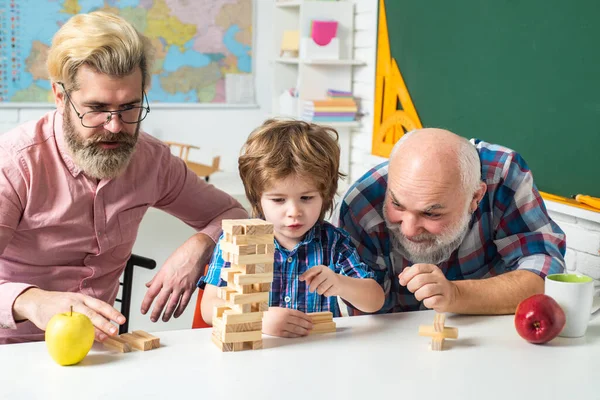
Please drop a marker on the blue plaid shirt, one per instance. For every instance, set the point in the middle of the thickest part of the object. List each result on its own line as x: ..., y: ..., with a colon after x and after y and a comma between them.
x: 323, y: 244
x: 510, y: 229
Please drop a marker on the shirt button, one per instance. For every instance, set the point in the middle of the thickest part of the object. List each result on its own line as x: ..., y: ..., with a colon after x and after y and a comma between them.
x: 99, y: 233
x: 287, y: 299
x: 290, y: 259
x: 85, y: 284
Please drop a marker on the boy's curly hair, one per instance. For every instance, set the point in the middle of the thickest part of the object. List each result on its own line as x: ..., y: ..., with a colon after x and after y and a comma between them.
x: 280, y: 148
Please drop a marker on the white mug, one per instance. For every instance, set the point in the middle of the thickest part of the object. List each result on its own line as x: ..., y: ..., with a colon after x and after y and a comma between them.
x: 575, y: 295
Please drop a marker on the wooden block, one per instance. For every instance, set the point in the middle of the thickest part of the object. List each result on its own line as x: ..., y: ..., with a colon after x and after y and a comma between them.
x: 228, y: 274
x: 116, y: 343
x: 264, y: 229
x: 230, y: 317
x: 325, y: 327
x: 219, y: 310
x: 239, y: 249
x: 225, y: 293
x: 233, y: 227
x: 252, y: 239
x: 447, y: 333
x: 323, y: 316
x: 438, y: 322
x: 256, y: 345
x: 251, y: 258
x: 262, y: 287
x: 137, y: 342
x: 242, y: 327
x: 217, y: 330
x: 227, y: 222
x: 237, y: 346
x: 246, y: 268
x: 263, y: 268
x: 227, y: 257
x: 246, y: 226
x: 437, y: 344
x: 259, y: 307
x: 226, y: 347
x: 244, y: 289
x: 259, y: 227
x: 265, y: 249
x: 232, y: 337
x: 242, y: 308
x: 154, y: 339
x: 237, y: 298
x: 249, y: 279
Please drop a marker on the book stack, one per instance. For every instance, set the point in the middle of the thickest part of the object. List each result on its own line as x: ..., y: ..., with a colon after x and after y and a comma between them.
x: 339, y: 106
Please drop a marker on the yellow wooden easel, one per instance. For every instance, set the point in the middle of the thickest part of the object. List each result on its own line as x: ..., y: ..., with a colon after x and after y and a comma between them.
x: 389, y: 123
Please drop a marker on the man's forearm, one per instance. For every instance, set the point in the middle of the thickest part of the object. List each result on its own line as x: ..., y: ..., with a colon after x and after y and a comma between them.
x: 9, y: 299
x: 498, y: 295
x: 199, y: 248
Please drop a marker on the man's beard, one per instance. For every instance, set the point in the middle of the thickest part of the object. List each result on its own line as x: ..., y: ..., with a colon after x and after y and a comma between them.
x: 95, y: 161
x: 434, y: 249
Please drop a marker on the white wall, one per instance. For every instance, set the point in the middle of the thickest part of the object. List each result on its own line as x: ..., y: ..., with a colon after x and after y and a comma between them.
x: 582, y: 228
x: 219, y: 131
x: 365, y: 49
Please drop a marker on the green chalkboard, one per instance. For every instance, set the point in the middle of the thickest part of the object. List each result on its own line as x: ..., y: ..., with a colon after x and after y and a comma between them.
x: 521, y: 73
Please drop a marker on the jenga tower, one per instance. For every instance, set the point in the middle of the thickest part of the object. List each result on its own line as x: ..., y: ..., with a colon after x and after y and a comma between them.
x: 248, y: 244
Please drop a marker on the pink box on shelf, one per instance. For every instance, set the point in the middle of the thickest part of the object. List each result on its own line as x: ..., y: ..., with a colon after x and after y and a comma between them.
x: 322, y: 32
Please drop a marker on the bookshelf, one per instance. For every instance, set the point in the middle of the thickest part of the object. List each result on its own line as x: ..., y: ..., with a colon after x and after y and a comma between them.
x: 312, y: 77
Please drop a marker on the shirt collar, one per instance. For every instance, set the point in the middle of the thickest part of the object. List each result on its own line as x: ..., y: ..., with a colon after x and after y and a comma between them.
x: 308, y: 238
x: 59, y: 136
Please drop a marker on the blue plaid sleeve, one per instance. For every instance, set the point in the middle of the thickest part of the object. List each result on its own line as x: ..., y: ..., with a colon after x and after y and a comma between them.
x: 525, y: 235
x: 213, y: 275
x: 360, y: 216
x: 348, y: 262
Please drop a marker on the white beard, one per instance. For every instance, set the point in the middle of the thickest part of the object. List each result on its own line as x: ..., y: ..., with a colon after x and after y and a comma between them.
x: 434, y: 249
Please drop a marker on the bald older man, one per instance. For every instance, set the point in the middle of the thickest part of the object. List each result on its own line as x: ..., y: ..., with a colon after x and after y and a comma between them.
x: 453, y: 225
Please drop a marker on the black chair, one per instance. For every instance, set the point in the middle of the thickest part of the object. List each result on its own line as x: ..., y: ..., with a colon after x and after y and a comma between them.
x: 125, y: 299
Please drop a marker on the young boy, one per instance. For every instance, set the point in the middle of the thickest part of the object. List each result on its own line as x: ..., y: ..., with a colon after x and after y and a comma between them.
x: 290, y: 174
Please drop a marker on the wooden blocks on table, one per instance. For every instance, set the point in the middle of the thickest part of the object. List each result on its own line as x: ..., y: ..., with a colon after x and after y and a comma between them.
x: 438, y: 332
x: 139, y: 340
x: 249, y: 246
x: 322, y: 322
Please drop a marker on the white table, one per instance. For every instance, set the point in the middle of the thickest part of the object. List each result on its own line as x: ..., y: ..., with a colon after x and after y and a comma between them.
x: 370, y: 357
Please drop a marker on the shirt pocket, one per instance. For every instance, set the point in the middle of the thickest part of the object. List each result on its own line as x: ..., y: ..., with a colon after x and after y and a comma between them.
x: 129, y: 223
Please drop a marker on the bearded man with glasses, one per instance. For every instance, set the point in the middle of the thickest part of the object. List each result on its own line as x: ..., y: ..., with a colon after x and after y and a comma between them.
x: 75, y: 185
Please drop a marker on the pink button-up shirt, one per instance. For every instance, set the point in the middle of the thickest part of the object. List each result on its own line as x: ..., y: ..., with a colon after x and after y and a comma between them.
x: 63, y: 231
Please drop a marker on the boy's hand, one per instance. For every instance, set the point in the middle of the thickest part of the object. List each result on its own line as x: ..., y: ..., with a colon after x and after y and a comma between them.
x: 322, y: 280
x: 285, y: 322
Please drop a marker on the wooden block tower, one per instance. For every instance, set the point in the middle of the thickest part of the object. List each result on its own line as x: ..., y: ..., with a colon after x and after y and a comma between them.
x: 248, y: 244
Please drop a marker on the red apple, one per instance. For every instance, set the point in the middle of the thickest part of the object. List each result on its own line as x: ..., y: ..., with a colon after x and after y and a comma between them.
x: 539, y: 319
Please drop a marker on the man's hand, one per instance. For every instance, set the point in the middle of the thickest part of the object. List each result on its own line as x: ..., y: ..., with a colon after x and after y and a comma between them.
x: 429, y: 285
x: 38, y: 306
x: 322, y: 280
x: 176, y: 281
x: 285, y: 322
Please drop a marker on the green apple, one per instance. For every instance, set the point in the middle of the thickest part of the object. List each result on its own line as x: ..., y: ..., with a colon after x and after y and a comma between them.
x: 69, y: 337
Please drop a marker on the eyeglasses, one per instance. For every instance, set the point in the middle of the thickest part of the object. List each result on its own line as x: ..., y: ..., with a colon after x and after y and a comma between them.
x: 96, y: 119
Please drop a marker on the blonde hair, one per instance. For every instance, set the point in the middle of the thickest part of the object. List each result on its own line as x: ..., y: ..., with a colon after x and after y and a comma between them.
x: 281, y: 148
x: 105, y: 42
